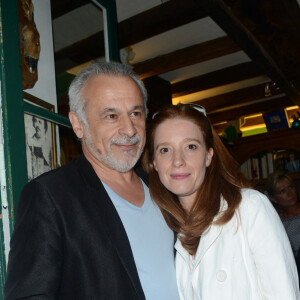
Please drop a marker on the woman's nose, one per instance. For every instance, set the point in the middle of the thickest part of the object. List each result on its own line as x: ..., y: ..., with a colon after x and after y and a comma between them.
x: 178, y: 159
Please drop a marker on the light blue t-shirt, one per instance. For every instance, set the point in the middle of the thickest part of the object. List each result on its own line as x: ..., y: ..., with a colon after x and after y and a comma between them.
x: 151, y: 242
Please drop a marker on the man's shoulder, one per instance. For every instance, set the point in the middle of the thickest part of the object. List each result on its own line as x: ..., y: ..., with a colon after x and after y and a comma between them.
x: 68, y: 176
x: 63, y: 183
x: 69, y: 169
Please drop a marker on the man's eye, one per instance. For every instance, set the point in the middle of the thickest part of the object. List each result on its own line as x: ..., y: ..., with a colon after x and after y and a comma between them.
x: 136, y: 114
x: 192, y: 147
x: 111, y: 116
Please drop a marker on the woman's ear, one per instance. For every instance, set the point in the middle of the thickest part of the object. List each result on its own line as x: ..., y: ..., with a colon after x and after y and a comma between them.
x: 209, y: 156
x: 154, y: 165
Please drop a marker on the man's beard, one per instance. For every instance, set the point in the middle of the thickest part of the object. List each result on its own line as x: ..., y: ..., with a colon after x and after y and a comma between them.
x: 122, y: 165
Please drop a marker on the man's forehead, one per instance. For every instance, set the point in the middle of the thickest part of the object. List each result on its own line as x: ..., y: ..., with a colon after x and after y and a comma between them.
x: 109, y: 84
x: 120, y: 108
x: 107, y: 78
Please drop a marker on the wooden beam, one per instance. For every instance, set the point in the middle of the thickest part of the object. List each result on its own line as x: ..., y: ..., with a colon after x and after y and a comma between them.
x: 284, y: 138
x: 159, y: 19
x: 186, y: 57
x: 152, y: 22
x: 264, y: 30
x: 159, y: 93
x: 217, y: 78
x: 59, y: 7
x: 78, y: 54
x: 236, y: 98
x: 259, y: 107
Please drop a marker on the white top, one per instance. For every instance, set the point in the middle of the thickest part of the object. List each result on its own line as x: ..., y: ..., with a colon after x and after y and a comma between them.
x: 250, y: 257
x: 152, y: 244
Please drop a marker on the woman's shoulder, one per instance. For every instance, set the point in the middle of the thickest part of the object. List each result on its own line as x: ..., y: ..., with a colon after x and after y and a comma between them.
x: 254, y: 200
x: 256, y: 211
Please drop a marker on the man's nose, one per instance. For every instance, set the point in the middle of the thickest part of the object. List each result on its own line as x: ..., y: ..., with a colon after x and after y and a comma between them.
x: 127, y: 127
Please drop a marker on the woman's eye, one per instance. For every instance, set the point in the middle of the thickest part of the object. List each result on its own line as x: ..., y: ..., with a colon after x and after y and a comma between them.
x: 192, y: 147
x: 163, y: 150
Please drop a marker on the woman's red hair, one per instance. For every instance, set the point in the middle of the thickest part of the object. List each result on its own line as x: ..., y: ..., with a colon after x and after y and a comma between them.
x: 222, y: 179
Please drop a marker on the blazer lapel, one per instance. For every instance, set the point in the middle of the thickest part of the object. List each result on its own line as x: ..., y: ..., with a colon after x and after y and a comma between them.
x: 112, y: 223
x: 207, y: 240
x: 210, y: 236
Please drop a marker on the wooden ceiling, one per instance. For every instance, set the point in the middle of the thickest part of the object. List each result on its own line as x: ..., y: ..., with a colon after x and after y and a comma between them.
x: 266, y: 30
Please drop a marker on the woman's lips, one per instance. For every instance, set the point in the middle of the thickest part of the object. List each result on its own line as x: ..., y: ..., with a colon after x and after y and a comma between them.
x: 180, y: 176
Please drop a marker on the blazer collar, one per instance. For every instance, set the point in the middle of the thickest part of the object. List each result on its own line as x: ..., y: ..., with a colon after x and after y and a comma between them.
x: 111, y: 222
x: 206, y: 241
x: 208, y: 238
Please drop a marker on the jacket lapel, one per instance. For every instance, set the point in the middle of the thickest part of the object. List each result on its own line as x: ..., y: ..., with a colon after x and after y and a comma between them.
x: 112, y: 224
x: 210, y: 236
x: 207, y: 240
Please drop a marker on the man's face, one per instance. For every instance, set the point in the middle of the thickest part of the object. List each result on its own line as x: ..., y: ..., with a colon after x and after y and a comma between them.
x: 115, y: 135
x: 37, y: 124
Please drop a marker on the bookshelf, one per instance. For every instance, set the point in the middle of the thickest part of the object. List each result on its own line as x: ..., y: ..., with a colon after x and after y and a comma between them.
x: 286, y: 138
x: 273, y: 142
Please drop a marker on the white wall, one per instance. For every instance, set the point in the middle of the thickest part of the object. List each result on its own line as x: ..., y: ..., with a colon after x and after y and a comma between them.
x: 45, y: 87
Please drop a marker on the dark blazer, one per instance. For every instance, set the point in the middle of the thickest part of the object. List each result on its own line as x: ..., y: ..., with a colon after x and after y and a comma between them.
x: 69, y: 241
x: 297, y: 258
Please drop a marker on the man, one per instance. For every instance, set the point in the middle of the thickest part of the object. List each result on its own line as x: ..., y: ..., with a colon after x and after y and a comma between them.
x: 38, y: 150
x: 89, y: 230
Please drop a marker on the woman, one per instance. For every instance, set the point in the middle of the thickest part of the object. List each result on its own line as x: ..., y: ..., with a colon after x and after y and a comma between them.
x: 282, y: 192
x: 231, y: 244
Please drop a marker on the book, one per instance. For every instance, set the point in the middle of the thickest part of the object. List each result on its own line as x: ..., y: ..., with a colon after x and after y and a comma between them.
x: 270, y: 163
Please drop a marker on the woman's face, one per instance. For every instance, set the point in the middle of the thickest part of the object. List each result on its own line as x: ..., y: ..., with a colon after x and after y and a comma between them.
x: 285, y: 193
x: 181, y: 158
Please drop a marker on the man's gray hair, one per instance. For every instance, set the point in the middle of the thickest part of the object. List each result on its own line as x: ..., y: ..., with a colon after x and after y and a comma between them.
x: 76, y: 101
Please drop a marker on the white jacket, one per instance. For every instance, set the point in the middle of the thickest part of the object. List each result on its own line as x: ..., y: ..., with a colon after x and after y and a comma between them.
x: 250, y: 257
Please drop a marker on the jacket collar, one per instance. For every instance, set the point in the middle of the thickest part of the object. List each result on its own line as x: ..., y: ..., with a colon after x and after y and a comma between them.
x: 206, y: 241
x: 111, y: 221
x: 208, y: 238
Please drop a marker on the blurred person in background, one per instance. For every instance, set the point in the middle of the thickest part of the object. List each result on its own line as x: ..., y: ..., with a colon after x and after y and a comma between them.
x: 282, y: 192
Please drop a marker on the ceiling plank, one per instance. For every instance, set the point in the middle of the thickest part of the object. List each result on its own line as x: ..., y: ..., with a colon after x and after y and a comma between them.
x: 159, y: 19
x: 152, y: 22
x: 261, y: 30
x: 217, y: 78
x: 78, y: 54
x: 59, y: 7
x: 254, y: 108
x: 186, y: 57
x: 236, y: 98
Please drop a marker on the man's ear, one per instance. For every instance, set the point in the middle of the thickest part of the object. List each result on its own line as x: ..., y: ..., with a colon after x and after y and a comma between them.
x: 77, y: 124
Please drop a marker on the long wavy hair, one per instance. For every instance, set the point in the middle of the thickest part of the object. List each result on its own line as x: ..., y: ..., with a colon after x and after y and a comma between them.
x: 222, y: 179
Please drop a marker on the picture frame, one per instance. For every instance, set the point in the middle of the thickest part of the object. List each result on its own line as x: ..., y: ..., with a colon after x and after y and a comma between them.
x: 276, y: 119
x: 287, y: 160
x: 40, y: 138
